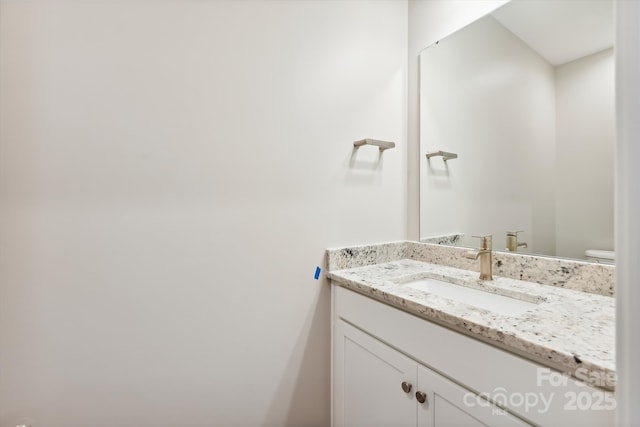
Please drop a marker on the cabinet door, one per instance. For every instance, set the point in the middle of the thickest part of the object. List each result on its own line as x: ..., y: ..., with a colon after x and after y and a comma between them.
x: 368, y: 382
x: 447, y: 405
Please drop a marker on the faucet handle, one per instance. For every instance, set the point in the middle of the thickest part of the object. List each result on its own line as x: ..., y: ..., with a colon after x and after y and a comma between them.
x: 485, y: 241
x: 514, y: 233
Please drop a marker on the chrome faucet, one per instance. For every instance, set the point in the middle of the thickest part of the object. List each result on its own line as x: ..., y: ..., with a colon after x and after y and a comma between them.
x: 484, y: 253
x: 512, y: 241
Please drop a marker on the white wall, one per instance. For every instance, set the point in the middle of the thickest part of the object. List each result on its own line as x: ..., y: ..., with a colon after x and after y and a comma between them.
x: 495, y: 108
x: 585, y: 147
x: 170, y: 175
x: 429, y: 21
x: 627, y: 56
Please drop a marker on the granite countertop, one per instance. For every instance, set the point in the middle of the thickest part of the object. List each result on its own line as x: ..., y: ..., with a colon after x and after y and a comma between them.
x: 569, y: 330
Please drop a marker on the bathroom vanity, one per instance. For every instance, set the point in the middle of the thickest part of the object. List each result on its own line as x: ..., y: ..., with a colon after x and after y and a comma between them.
x: 419, y: 340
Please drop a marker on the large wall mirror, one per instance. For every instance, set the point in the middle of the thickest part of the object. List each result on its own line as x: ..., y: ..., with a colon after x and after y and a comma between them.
x: 525, y: 97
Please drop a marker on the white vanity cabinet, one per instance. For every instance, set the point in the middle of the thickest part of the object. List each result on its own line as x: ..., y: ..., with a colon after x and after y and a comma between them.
x: 449, y: 404
x: 370, y: 381
x: 385, y: 361
x: 376, y: 385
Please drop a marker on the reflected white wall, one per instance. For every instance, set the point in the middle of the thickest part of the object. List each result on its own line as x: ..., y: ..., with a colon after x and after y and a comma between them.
x: 585, y: 147
x: 535, y: 143
x: 429, y: 21
x: 171, y: 173
x: 490, y: 98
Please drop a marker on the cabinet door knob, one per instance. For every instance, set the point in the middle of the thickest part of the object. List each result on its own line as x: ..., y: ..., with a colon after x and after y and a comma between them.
x: 421, y: 396
x: 406, y: 387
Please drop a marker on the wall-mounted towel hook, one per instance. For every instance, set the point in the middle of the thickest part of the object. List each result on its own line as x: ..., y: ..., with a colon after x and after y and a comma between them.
x: 445, y: 155
x: 382, y: 145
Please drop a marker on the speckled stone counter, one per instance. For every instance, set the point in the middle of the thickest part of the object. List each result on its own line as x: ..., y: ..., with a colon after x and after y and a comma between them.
x: 568, y: 329
x: 563, y: 273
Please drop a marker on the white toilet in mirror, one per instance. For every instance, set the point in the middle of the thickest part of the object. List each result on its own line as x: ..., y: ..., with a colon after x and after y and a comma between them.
x: 600, y: 256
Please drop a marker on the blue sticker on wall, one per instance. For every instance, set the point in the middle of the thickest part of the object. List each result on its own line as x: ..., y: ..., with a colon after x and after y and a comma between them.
x: 317, y: 273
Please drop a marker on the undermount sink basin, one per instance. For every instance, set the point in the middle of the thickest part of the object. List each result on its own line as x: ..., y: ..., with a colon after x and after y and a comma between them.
x: 488, y: 300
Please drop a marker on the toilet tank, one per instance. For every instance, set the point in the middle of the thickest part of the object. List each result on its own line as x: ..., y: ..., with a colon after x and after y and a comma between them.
x: 600, y: 256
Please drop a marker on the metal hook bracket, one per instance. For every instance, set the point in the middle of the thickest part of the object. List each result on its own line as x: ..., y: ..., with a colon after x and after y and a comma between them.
x: 382, y: 145
x: 445, y: 155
